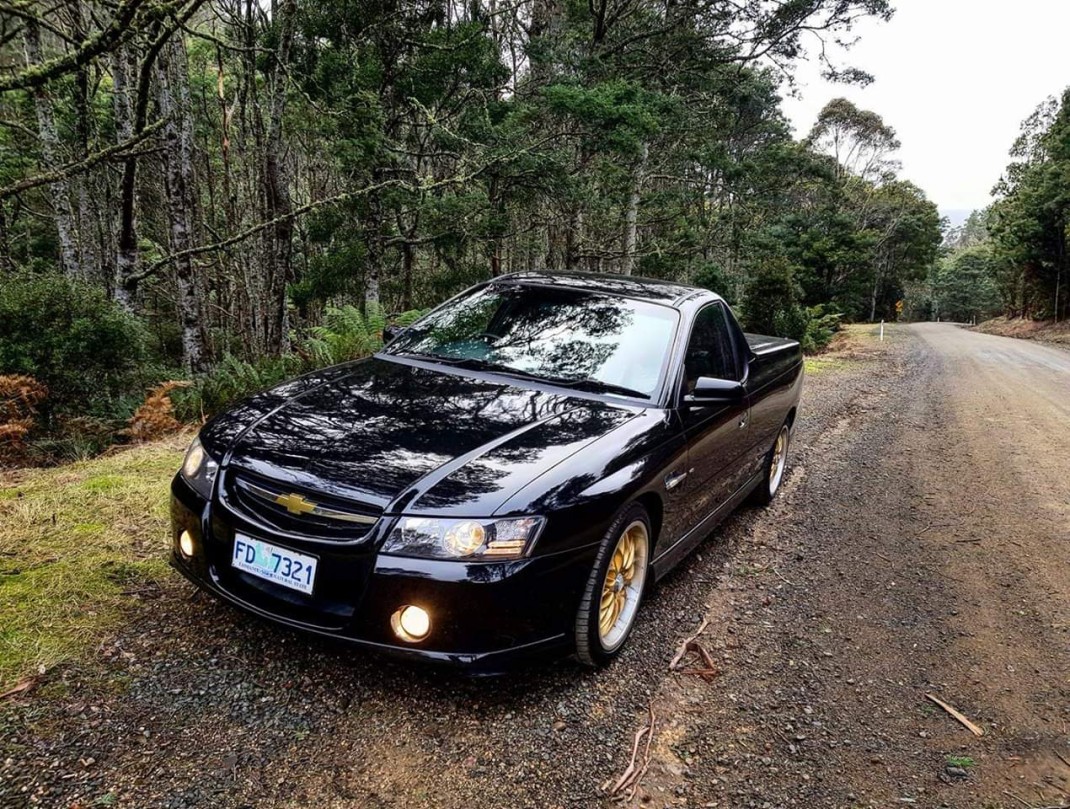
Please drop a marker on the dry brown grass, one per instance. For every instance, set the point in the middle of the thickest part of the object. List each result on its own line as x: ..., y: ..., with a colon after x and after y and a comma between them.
x: 19, y: 397
x: 1026, y: 329
x: 156, y: 416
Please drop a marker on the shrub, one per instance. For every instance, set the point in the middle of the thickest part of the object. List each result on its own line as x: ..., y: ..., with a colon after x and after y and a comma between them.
x: 346, y: 334
x: 771, y: 301
x: 772, y: 307
x: 822, y: 323
x: 71, y: 337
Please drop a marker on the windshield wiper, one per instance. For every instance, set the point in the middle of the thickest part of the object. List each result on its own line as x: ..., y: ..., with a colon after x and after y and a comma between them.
x: 589, y: 385
x: 420, y: 355
x: 597, y: 386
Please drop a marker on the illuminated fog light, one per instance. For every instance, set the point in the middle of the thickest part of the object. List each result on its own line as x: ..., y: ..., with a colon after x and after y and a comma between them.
x: 411, y: 623
x: 185, y: 543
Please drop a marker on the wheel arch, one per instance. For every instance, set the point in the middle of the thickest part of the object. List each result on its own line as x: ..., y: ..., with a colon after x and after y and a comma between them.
x: 655, y: 509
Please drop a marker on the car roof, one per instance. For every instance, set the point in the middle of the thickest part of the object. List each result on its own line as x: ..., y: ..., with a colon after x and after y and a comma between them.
x: 657, y: 290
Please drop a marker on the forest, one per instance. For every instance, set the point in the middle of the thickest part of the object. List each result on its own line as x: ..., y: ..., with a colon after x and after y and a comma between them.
x: 218, y: 194
x: 1011, y: 257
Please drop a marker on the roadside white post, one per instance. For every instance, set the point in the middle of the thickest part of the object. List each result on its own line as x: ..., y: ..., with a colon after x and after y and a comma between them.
x: 882, y: 331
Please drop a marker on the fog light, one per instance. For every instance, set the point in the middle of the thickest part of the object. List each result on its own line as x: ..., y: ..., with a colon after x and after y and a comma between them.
x: 185, y: 543
x: 411, y: 623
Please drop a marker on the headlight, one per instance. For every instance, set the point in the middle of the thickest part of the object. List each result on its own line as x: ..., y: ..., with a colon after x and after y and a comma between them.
x: 199, y: 469
x: 463, y: 539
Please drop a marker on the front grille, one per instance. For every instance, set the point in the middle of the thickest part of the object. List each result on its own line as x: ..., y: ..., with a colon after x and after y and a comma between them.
x: 297, y: 511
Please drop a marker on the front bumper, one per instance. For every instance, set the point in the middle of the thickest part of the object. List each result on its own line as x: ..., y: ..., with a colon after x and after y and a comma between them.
x: 485, y: 616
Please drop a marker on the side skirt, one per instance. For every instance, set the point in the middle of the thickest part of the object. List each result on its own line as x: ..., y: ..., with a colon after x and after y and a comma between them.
x: 673, y: 555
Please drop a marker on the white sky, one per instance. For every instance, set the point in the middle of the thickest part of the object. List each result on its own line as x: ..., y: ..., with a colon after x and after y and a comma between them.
x: 955, y: 79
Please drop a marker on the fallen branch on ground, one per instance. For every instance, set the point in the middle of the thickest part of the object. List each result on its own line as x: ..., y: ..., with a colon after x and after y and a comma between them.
x: 710, y: 670
x: 683, y: 646
x: 691, y: 644
x: 25, y: 685
x: 966, y: 723
x: 1027, y: 804
x: 633, y: 775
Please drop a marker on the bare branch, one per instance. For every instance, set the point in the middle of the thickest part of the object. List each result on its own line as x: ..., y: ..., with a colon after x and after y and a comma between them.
x: 70, y: 169
x: 95, y: 45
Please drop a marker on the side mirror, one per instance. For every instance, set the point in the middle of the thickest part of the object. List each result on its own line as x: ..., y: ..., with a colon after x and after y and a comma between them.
x: 709, y: 390
x: 391, y: 331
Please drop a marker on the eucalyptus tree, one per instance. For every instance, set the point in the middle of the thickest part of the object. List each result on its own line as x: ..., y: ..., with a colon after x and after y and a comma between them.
x: 1030, y: 220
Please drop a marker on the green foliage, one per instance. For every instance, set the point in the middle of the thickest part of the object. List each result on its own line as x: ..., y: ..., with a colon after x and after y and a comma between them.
x: 772, y: 306
x: 231, y: 380
x: 712, y: 277
x: 963, y: 762
x: 963, y: 286
x: 1029, y: 222
x: 346, y: 334
x: 69, y: 335
x: 771, y: 301
x: 821, y: 325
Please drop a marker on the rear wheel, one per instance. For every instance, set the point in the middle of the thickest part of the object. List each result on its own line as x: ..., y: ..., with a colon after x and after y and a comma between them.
x: 775, y: 465
x: 615, y: 588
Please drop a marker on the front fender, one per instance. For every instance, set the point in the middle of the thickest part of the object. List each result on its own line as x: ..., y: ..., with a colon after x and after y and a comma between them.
x: 582, y: 495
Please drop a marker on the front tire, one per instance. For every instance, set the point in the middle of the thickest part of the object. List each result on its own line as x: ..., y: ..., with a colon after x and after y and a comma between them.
x: 615, y: 588
x: 776, y: 464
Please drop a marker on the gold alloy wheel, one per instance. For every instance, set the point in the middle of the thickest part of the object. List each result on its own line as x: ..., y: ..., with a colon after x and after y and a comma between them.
x: 779, y: 460
x: 623, y: 585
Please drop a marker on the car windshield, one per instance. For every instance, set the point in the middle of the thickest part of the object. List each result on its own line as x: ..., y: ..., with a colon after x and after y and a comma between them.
x: 564, y: 336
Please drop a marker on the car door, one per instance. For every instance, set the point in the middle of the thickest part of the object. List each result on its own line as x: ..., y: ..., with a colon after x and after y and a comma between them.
x: 717, y: 433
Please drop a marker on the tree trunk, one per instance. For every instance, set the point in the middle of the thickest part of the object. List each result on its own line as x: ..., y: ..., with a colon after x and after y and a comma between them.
x: 573, y: 239
x: 178, y: 158
x: 878, y: 274
x: 276, y: 180
x: 46, y: 130
x: 542, y: 30
x: 631, y: 217
x: 90, y: 259
x: 5, y: 246
x: 126, y: 250
x: 375, y: 249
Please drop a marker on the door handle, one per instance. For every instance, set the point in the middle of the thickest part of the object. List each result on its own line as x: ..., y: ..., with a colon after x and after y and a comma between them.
x: 674, y: 479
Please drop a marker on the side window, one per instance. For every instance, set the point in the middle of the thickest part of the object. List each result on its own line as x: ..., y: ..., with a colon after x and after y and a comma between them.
x: 710, y: 351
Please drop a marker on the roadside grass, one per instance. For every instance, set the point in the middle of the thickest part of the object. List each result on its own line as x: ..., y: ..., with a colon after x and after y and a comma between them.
x: 77, y: 544
x: 962, y: 762
x: 817, y: 365
x: 853, y: 343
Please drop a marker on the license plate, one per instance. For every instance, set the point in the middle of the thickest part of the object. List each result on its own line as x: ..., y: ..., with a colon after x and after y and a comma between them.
x: 279, y: 565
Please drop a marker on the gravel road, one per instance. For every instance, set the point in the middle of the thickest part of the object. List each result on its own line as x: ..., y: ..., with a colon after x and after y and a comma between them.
x: 921, y: 545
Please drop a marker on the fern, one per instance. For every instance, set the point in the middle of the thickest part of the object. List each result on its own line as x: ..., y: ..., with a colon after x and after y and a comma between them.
x: 409, y: 317
x: 375, y: 319
x: 232, y: 379
x: 346, y: 334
